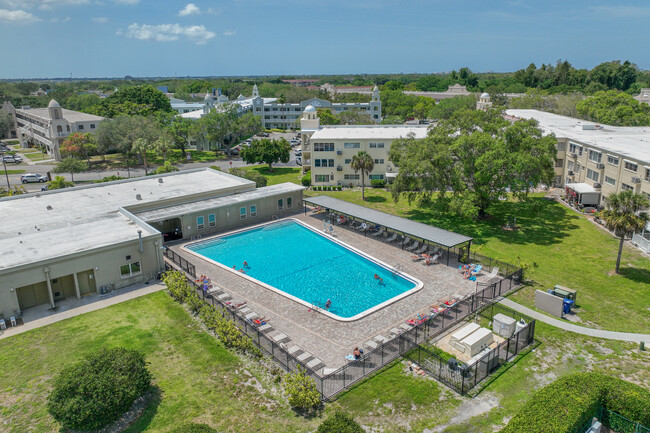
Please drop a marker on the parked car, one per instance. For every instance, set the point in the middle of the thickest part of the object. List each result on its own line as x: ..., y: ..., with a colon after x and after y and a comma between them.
x: 4, y: 148
x: 12, y: 158
x: 297, y: 152
x: 299, y: 160
x: 263, y: 134
x: 33, y: 177
x: 294, y: 142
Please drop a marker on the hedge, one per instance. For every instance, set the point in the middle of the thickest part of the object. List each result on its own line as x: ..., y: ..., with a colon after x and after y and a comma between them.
x: 569, y: 403
x: 340, y: 422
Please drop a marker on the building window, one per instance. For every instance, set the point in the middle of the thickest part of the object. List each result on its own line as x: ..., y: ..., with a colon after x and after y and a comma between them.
x: 569, y: 165
x: 647, y: 174
x: 130, y: 269
x: 577, y: 168
x: 80, y: 127
x: 212, y: 220
x: 561, y: 146
x: 629, y: 165
x: 200, y: 223
x: 242, y: 213
x: 322, y: 178
x: 351, y: 176
x: 289, y: 202
x: 611, y: 159
x: 348, y: 160
x: 330, y: 162
x: 625, y: 187
x: 280, y: 204
x: 575, y: 148
x: 595, y: 156
x: 352, y: 145
x: 610, y: 180
x: 253, y: 211
x: 559, y: 163
x: 376, y: 145
x: 377, y: 176
x: 317, y: 163
x: 323, y: 147
x: 379, y: 161
x: 593, y: 175
x: 92, y: 126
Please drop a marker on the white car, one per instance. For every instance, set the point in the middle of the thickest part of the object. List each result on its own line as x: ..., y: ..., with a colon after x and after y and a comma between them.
x: 12, y: 158
x: 299, y: 160
x: 298, y: 152
x: 33, y: 177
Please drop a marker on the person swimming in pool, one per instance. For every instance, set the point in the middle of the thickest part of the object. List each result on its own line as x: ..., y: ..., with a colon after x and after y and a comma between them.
x: 328, y: 304
x: 377, y: 277
x: 246, y: 264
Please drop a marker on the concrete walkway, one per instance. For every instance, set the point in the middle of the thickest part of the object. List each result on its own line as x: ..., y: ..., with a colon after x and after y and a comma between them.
x: 598, y: 333
x: 96, y: 305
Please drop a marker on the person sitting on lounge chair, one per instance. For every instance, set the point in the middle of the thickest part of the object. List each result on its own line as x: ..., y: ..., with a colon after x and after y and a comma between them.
x: 357, y: 353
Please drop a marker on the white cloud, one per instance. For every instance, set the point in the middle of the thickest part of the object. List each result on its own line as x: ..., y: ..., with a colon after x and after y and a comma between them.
x: 127, y: 2
x: 100, y: 19
x: 18, y: 16
x: 189, y: 9
x: 41, y: 4
x: 169, y: 32
x: 229, y: 33
x: 60, y: 20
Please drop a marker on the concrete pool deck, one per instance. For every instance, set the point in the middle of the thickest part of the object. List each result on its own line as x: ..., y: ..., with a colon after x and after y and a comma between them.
x: 325, y: 338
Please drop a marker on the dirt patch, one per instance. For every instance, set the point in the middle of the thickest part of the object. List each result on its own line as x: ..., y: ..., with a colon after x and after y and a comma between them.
x: 469, y: 409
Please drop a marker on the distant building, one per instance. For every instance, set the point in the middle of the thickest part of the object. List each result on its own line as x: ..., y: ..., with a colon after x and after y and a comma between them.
x: 8, y: 108
x: 303, y: 82
x: 643, y: 96
x: 328, y: 150
x: 484, y: 102
x: 283, y: 116
x: 49, y: 127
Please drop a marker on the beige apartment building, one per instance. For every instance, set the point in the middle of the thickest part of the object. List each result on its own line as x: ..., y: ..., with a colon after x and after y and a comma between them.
x: 90, y: 239
x: 596, y: 160
x: 49, y: 127
x: 328, y: 150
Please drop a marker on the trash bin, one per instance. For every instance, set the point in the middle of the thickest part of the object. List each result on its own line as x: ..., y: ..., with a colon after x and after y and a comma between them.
x: 568, y: 304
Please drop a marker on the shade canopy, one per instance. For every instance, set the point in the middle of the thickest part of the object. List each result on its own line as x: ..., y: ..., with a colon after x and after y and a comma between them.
x: 411, y: 228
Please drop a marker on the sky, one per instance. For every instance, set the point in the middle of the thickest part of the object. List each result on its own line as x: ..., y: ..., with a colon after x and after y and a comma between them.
x: 164, y: 38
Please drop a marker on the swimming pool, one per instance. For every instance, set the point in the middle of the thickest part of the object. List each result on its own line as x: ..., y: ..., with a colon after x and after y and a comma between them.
x: 297, y: 261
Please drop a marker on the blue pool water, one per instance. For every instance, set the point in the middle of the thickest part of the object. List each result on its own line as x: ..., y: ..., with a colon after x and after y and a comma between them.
x: 297, y: 261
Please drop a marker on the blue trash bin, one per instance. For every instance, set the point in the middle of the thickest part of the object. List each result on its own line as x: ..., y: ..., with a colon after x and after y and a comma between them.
x: 568, y: 304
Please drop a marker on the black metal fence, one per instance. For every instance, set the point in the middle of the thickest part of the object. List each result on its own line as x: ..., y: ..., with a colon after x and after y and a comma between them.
x: 331, y: 383
x: 463, y: 377
x: 180, y: 261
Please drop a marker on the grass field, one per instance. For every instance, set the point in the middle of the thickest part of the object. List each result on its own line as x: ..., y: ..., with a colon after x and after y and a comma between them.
x: 279, y: 174
x: 2, y: 172
x: 556, y: 245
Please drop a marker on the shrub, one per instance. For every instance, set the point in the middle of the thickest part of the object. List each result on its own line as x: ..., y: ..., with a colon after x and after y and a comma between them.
x: 306, y: 179
x: 378, y: 183
x: 96, y: 391
x: 340, y: 422
x: 109, y: 179
x: 301, y: 390
x: 177, y: 285
x: 194, y: 428
x: 569, y: 403
x: 339, y: 188
x: 165, y: 168
x: 259, y: 179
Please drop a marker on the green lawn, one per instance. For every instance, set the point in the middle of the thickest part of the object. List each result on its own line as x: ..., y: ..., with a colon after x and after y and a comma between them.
x: 37, y: 156
x: 557, y: 245
x: 279, y: 174
x: 2, y: 172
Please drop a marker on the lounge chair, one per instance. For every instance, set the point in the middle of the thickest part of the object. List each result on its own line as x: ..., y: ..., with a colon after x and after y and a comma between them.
x: 421, y: 250
x: 362, y: 227
x: 392, y: 238
x: 417, y: 258
x: 315, y: 364
x: 432, y: 260
x: 379, y: 232
x: 493, y: 274
x: 354, y: 225
x: 412, y: 247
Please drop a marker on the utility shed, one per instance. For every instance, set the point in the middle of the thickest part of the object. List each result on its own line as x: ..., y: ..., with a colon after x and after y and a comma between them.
x: 458, y: 336
x: 477, y: 341
x: 503, y: 325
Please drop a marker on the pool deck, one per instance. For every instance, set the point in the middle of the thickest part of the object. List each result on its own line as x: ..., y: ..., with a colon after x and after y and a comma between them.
x: 325, y: 338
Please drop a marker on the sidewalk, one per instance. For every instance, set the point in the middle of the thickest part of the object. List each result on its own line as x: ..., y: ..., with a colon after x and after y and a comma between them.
x: 93, y: 306
x: 598, y: 333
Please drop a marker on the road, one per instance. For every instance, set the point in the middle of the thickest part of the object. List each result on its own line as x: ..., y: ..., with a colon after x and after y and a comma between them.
x: 45, y: 167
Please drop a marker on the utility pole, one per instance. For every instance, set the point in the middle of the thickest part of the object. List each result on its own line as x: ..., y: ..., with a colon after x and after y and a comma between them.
x: 4, y: 165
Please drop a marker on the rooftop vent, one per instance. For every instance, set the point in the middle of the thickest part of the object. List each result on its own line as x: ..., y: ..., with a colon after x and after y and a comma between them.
x: 48, y: 207
x: 138, y: 197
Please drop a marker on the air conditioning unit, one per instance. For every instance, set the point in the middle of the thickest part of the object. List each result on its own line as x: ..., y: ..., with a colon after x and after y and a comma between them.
x: 571, y: 173
x: 597, y: 186
x: 600, y: 166
x: 339, y: 152
x: 339, y: 168
x: 636, y: 179
x: 573, y: 155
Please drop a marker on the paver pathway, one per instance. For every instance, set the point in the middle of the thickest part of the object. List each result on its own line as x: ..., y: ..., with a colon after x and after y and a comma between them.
x: 610, y: 335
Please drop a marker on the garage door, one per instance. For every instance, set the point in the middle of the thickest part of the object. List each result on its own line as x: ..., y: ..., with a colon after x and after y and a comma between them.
x: 34, y: 294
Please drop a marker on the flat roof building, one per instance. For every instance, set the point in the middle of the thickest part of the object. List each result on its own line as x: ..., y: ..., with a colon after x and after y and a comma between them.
x: 76, y: 241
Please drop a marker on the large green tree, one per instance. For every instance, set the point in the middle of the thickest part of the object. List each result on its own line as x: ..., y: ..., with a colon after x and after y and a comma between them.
x: 470, y: 160
x: 614, y: 108
x: 623, y: 215
x: 267, y: 151
x: 364, y: 163
x: 218, y: 127
x: 180, y: 131
x: 71, y: 165
x: 140, y: 147
x: 119, y: 134
x: 356, y: 117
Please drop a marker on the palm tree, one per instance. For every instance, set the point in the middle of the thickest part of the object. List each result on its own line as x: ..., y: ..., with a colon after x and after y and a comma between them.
x: 623, y: 216
x: 362, y: 161
x: 162, y: 146
x: 140, y: 146
x: 59, y: 182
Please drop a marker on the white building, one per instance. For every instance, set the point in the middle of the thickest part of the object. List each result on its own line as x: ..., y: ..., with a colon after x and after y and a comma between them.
x: 595, y: 159
x: 49, y: 127
x: 284, y: 116
x: 328, y: 150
